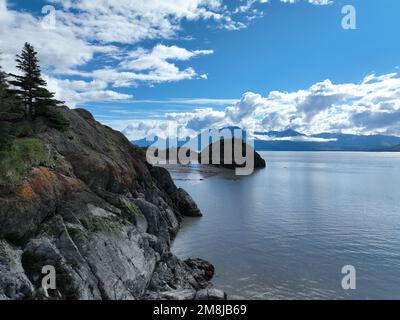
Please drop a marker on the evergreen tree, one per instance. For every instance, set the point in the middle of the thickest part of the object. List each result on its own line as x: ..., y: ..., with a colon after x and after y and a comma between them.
x: 30, y: 81
x: 8, y: 100
x: 3, y: 89
x: 8, y: 110
x: 31, y: 89
x: 46, y: 106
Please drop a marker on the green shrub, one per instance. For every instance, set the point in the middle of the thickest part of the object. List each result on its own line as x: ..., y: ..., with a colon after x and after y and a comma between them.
x: 6, y: 136
x: 23, y: 129
x: 54, y: 117
x: 18, y: 160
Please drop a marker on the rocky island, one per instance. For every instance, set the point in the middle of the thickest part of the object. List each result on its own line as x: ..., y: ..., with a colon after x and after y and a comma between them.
x: 231, y: 144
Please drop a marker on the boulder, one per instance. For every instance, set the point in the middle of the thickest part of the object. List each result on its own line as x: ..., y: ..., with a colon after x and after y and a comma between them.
x: 187, y: 206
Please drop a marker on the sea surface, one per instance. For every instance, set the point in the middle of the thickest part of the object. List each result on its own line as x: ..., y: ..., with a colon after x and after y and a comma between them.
x: 287, y: 231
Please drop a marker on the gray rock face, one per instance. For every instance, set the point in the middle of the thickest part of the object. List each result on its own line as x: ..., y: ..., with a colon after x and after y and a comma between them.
x: 101, y: 216
x: 14, y: 282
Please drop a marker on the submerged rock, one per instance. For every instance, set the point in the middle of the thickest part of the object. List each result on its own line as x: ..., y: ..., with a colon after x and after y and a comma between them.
x: 211, y: 294
x: 186, y: 294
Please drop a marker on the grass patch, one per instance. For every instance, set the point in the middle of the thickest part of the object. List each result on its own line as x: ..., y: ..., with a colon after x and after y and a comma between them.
x: 133, y: 209
x: 19, y: 159
x: 98, y: 225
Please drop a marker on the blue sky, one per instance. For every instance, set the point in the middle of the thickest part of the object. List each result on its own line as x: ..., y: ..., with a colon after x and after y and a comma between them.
x: 207, y: 65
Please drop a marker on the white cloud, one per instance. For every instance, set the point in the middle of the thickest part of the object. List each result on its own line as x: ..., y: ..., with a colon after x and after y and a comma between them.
x: 198, y: 118
x: 76, y: 92
x: 369, y: 107
x: 114, y: 21
x: 314, y: 2
x: 149, y: 66
x: 88, y: 30
x: 57, y: 47
x: 85, y: 30
x: 139, y: 129
x: 245, y: 107
x: 320, y: 2
x: 156, y: 65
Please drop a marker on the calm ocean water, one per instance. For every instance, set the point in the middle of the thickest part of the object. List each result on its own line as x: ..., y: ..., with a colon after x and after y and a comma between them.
x: 286, y: 231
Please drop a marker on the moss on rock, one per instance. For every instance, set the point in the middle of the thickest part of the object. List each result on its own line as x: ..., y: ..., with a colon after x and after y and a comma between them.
x: 23, y: 154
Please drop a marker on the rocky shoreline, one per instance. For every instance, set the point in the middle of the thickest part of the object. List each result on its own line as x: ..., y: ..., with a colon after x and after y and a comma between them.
x: 103, y: 217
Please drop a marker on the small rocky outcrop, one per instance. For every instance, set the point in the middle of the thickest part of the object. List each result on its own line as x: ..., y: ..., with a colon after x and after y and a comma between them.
x: 187, y: 205
x: 230, y: 144
x: 100, y: 215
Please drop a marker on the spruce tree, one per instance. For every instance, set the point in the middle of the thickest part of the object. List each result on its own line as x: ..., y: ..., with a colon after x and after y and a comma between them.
x: 2, y: 85
x: 31, y: 89
x: 28, y: 84
x: 8, y: 111
x: 8, y: 100
x: 3, y: 90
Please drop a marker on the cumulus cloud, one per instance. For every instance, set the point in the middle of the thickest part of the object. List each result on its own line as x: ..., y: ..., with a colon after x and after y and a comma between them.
x: 245, y: 107
x: 102, y: 33
x: 197, y: 119
x: 76, y: 92
x: 155, y: 65
x: 369, y: 107
x: 148, y: 66
x: 139, y: 129
x: 58, y: 47
x: 114, y: 21
x: 86, y: 31
x: 60, y: 50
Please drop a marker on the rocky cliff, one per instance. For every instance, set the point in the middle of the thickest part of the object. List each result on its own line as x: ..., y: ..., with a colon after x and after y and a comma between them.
x: 105, y: 219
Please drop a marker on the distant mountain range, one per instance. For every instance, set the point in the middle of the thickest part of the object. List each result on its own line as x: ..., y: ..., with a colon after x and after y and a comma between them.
x: 291, y: 140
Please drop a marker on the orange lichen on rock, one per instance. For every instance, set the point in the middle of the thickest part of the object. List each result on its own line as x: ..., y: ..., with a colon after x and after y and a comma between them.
x: 74, y: 183
x: 44, y: 180
x: 26, y: 192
